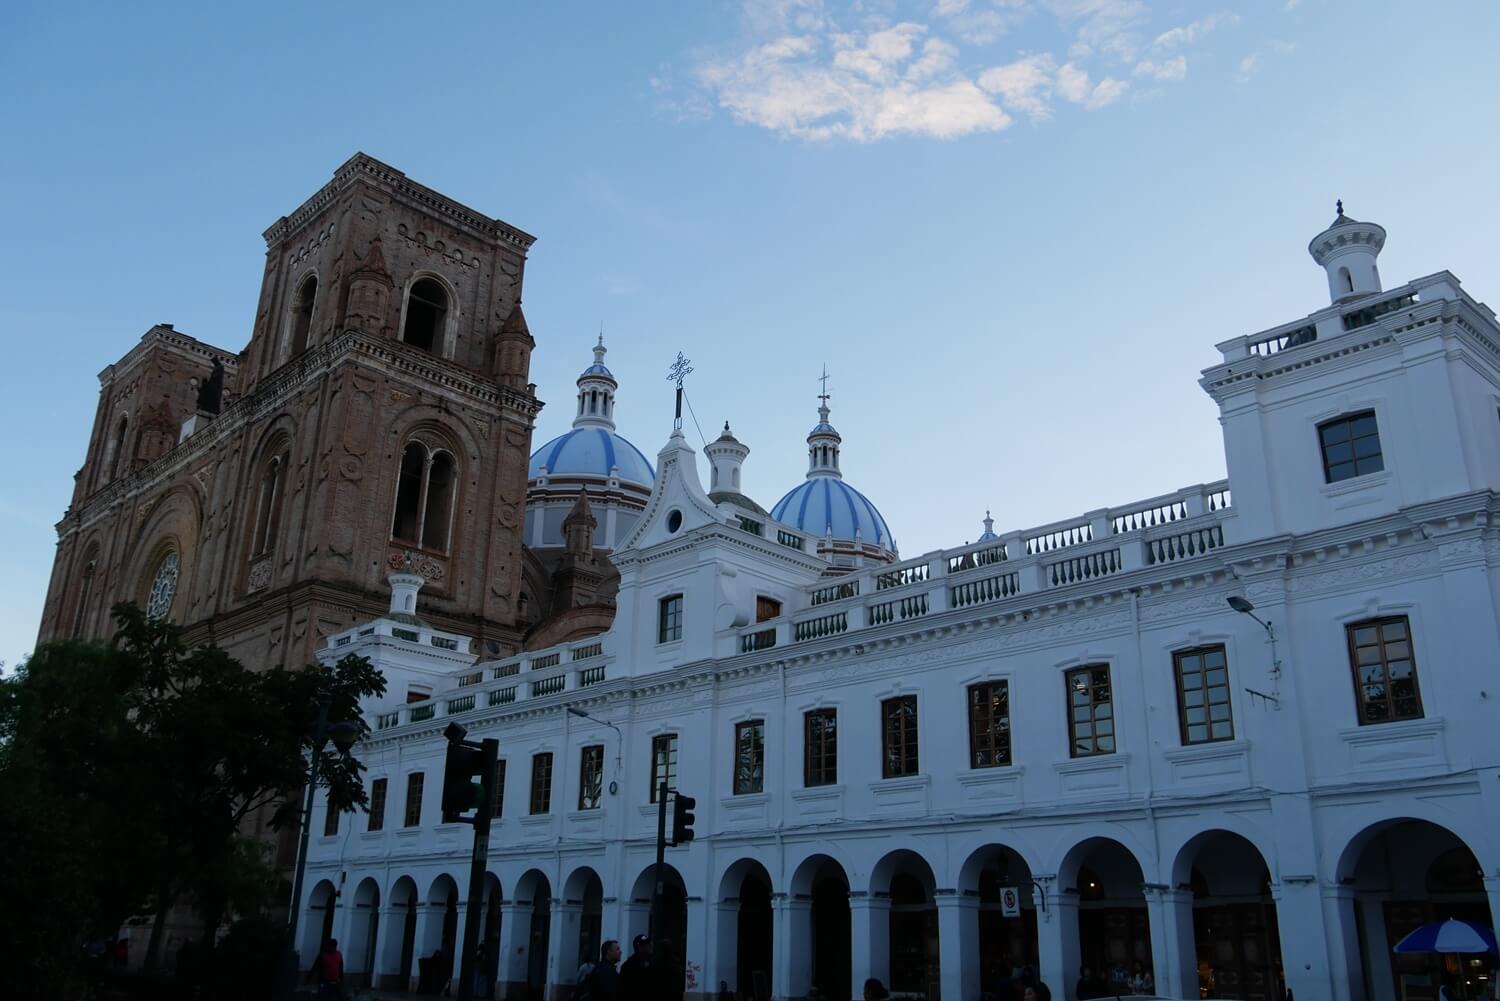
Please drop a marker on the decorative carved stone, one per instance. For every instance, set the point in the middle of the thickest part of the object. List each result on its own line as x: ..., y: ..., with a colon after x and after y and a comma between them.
x: 260, y: 574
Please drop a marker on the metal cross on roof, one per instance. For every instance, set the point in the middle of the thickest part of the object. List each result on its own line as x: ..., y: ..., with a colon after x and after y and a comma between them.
x: 824, y: 380
x: 677, y: 373
x: 679, y: 370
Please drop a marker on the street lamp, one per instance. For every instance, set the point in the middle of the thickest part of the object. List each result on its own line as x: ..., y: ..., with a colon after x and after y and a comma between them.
x: 1244, y: 607
x: 614, y: 786
x: 343, y: 734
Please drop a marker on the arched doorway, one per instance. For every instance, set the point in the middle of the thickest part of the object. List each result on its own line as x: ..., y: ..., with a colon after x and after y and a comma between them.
x: 822, y: 882
x: 534, y: 889
x: 401, y: 952
x: 906, y: 879
x: 583, y: 894
x: 673, y: 933
x: 364, y: 931
x: 1006, y: 944
x: 317, y: 924
x: 489, y: 938
x: 1114, y: 930
x: 1403, y: 874
x: 746, y: 930
x: 1237, y: 946
x: 439, y: 945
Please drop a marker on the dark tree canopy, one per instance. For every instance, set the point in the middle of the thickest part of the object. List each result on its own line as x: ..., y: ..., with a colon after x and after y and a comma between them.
x: 128, y: 770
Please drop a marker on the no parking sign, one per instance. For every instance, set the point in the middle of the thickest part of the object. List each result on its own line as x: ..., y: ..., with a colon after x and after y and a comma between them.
x: 1010, y: 902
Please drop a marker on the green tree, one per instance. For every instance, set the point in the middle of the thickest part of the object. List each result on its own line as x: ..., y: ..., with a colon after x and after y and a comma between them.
x: 139, y: 763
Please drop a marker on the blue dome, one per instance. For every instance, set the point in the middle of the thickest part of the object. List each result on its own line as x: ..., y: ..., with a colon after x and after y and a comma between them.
x: 591, y: 451
x: 597, y: 369
x: 826, y: 505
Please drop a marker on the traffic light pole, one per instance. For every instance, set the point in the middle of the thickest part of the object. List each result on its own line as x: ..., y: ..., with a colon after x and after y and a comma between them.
x: 490, y: 751
x: 661, y: 867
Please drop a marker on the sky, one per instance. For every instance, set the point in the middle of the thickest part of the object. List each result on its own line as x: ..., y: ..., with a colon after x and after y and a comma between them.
x: 1013, y: 230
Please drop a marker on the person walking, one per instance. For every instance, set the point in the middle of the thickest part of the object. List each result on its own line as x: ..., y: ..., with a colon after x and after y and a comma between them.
x: 603, y: 981
x: 875, y: 990
x: 328, y: 970
x: 638, y: 975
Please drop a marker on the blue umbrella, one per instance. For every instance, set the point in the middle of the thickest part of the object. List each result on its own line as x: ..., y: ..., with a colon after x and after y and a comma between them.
x: 1452, y: 935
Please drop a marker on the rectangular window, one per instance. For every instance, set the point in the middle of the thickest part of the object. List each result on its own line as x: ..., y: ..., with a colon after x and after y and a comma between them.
x: 669, y: 619
x: 499, y: 788
x: 377, y: 805
x: 330, y: 821
x: 591, y: 777
x: 989, y: 724
x: 749, y: 757
x: 766, y: 608
x: 820, y: 748
x: 663, y: 762
x: 541, y: 783
x: 1091, y: 712
x: 1203, y: 695
x: 1351, y: 447
x: 899, y: 732
x: 414, y: 799
x: 1385, y: 670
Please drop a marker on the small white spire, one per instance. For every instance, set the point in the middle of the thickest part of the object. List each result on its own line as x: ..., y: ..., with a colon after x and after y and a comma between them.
x: 823, y: 441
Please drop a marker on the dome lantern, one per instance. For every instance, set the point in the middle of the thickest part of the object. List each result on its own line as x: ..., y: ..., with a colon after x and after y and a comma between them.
x: 596, y: 393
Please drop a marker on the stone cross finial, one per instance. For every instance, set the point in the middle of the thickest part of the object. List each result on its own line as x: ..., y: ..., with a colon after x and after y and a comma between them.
x: 1339, y: 205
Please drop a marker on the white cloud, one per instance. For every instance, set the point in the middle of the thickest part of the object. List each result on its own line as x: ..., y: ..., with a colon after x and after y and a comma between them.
x: 1248, y: 67
x: 1024, y: 86
x: 1109, y: 27
x: 1187, y: 34
x: 869, y: 89
x: 1291, y: 4
x: 1073, y: 84
x: 1165, y: 69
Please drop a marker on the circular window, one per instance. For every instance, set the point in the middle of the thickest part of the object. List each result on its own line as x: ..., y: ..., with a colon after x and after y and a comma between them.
x: 163, y: 588
x: 674, y: 520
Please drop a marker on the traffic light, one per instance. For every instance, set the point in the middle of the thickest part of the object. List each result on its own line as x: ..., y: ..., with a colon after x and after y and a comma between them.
x: 463, y: 775
x: 682, y: 819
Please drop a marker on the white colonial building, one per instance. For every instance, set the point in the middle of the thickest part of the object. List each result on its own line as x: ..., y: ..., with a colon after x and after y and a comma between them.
x: 887, y: 752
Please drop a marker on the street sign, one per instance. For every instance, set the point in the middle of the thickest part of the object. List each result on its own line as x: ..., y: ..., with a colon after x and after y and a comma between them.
x: 1010, y: 902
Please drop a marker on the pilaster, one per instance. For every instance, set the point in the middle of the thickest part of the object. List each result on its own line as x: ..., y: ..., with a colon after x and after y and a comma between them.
x: 958, y: 944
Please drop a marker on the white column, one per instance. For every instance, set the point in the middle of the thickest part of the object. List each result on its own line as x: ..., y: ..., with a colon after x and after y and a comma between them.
x: 698, y: 949
x: 958, y: 945
x: 562, y: 943
x: 792, y: 959
x: 1310, y: 916
x: 515, y: 943
x: 724, y: 933
x: 388, y: 945
x: 1057, y: 943
x: 869, y: 939
x: 1377, y: 949
x: 1174, y: 952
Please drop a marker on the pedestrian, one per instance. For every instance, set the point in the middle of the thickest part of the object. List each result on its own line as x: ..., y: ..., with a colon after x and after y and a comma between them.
x: 875, y: 990
x: 328, y: 970
x: 603, y: 983
x: 638, y: 975
x: 1037, y: 992
x: 1141, y: 981
x: 1089, y: 986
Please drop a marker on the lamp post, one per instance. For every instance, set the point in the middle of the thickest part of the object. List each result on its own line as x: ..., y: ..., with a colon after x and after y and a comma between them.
x: 1244, y: 607
x: 614, y: 785
x: 343, y: 734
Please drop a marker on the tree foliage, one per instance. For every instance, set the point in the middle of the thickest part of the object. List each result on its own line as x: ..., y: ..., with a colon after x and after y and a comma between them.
x: 128, y: 771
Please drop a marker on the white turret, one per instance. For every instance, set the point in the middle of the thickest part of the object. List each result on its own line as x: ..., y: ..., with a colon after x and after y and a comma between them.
x: 1347, y: 251
x: 726, y: 454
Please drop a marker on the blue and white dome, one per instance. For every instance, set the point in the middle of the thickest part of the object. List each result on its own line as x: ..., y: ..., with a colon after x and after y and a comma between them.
x: 591, y: 451
x: 842, y: 519
x: 592, y: 448
x: 825, y: 506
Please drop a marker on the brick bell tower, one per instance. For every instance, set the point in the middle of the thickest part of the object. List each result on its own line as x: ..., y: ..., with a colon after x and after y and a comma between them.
x: 380, y: 417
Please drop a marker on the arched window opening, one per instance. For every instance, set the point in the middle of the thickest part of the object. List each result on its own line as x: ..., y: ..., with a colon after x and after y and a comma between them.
x: 85, y: 592
x: 268, y: 507
x: 734, y: 476
x: 426, y: 315
x: 117, y: 450
x: 302, y: 310
x: 425, y: 493
x: 439, y: 502
x: 1346, y: 280
x: 409, y: 494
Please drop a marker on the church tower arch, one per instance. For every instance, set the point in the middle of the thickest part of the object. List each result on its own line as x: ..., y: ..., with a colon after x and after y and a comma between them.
x: 429, y: 311
x: 427, y: 488
x: 299, y: 322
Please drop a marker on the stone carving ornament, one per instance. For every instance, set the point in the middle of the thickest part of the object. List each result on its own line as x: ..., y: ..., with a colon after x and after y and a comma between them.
x: 163, y: 588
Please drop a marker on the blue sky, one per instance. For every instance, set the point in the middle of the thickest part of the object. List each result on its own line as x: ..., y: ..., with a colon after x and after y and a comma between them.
x: 1013, y: 230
